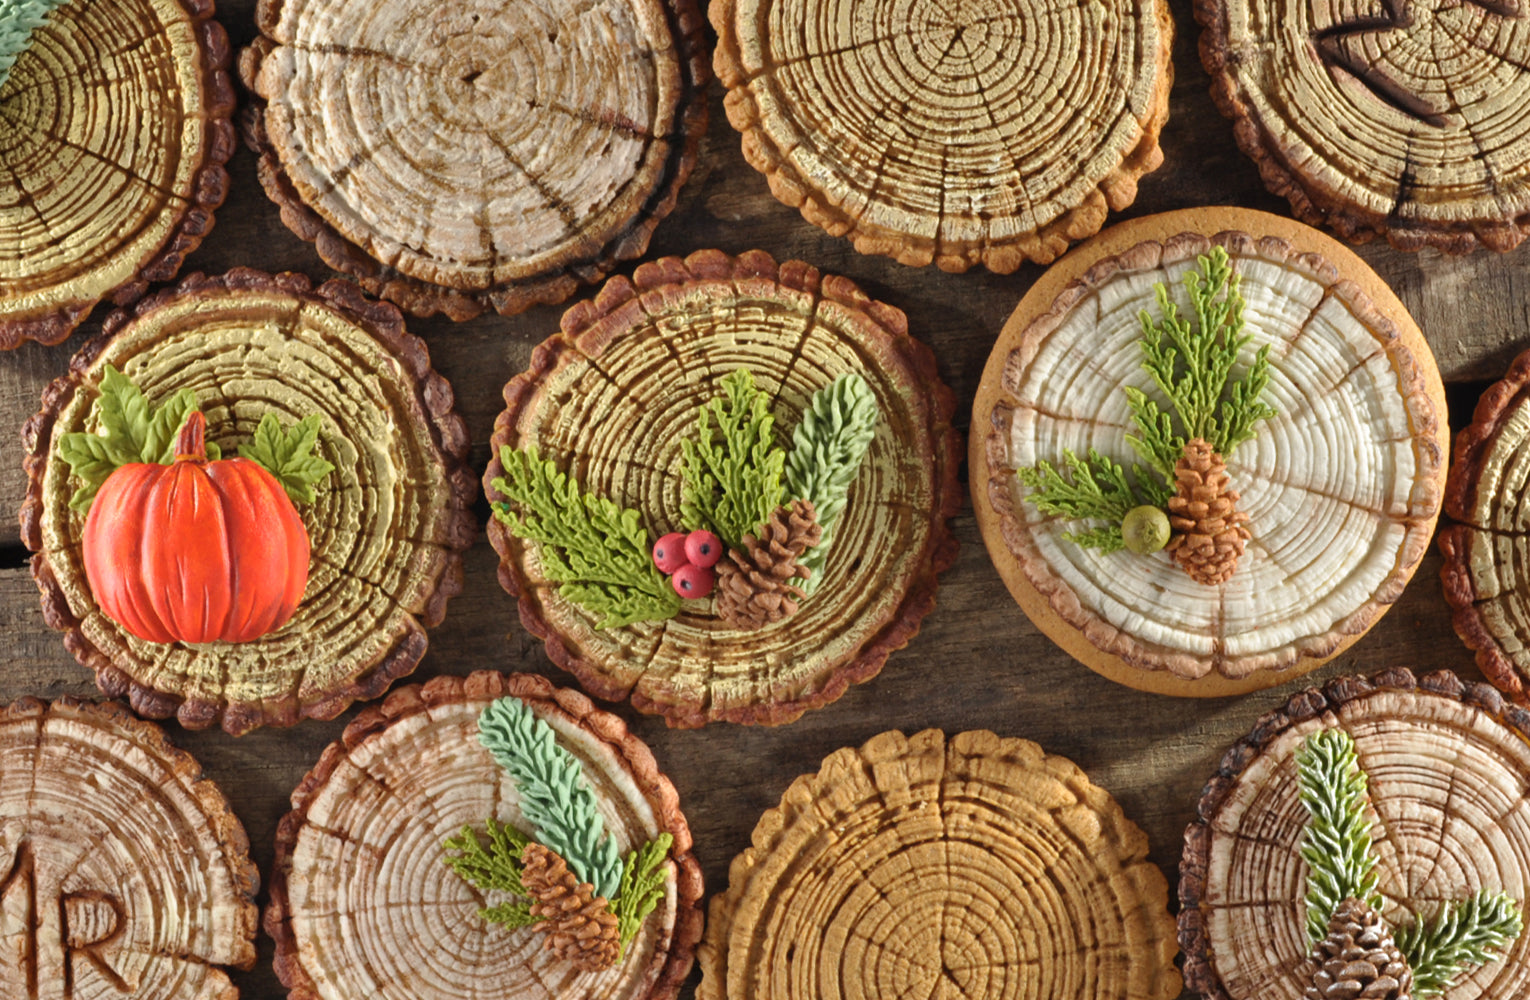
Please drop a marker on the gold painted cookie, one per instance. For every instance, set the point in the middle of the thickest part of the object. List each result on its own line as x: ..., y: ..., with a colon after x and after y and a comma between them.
x: 476, y: 155
x: 961, y: 132
x: 123, y: 872
x: 612, y: 398
x: 387, y: 528
x: 1448, y: 764
x: 362, y: 904
x: 1408, y: 119
x: 926, y: 867
x: 114, y: 129
x: 1342, y: 485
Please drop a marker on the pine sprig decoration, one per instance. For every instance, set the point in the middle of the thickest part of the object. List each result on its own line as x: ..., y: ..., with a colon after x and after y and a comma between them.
x: 1337, y: 842
x: 1192, y: 366
x: 596, y: 552
x: 1462, y: 934
x: 288, y: 454
x: 1092, y: 488
x: 643, y: 878
x: 555, y: 798
x: 497, y: 867
x: 828, y: 447
x: 18, y: 19
x: 732, y: 473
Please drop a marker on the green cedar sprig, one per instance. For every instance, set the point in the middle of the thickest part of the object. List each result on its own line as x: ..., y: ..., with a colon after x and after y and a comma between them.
x: 497, y: 867
x: 555, y: 798
x: 1096, y: 488
x: 732, y: 474
x: 18, y: 19
x: 596, y: 552
x: 1337, y: 841
x: 1463, y: 934
x: 1192, y: 366
x: 643, y: 878
x: 828, y: 447
x: 288, y: 454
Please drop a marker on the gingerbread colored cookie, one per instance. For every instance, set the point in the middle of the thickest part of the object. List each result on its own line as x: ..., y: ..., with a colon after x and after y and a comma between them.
x: 114, y: 129
x: 959, y: 133
x: 921, y: 866
x: 387, y: 526
x: 476, y: 156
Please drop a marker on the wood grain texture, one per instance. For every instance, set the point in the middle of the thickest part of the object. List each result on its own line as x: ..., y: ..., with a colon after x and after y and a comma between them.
x: 1409, y: 119
x: 978, y: 663
x: 482, y: 155
x: 114, y: 132
x: 966, y: 132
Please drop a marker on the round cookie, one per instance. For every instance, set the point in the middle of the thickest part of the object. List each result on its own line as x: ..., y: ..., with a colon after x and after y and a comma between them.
x: 961, y: 132
x: 458, y: 158
x: 114, y: 132
x: 921, y: 866
x: 1342, y: 485
x: 388, y: 526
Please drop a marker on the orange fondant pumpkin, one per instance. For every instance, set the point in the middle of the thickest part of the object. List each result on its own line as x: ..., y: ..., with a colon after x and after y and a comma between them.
x: 197, y: 551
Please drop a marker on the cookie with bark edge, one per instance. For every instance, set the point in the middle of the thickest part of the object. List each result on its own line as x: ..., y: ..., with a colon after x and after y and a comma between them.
x: 1441, y: 729
x: 142, y: 861
x: 725, y: 313
x: 423, y: 284
x: 921, y: 865
x: 272, y: 329
x: 443, y: 712
x: 1395, y: 361
x: 175, y: 225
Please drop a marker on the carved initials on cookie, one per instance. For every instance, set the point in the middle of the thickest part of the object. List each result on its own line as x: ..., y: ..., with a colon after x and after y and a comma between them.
x: 45, y: 933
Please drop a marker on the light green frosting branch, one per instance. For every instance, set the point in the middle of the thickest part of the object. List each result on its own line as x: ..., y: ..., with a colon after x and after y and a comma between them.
x: 827, y: 449
x: 18, y: 19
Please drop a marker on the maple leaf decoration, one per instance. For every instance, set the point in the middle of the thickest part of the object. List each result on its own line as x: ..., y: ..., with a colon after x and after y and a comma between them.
x: 1397, y: 14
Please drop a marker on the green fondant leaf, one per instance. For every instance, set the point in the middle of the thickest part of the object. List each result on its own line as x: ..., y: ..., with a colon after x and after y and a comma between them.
x: 513, y: 914
x: 555, y: 798
x: 732, y: 473
x: 496, y: 867
x: 1464, y: 934
x: 828, y: 447
x: 129, y: 430
x: 18, y: 19
x: 1092, y: 488
x: 643, y: 878
x: 1337, y: 841
x: 596, y: 552
x: 288, y: 455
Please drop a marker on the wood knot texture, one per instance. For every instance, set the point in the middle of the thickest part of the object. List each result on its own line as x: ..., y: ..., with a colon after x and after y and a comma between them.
x: 465, y: 156
x: 122, y: 871
x: 1341, y: 488
x: 918, y: 867
x: 613, y: 396
x: 114, y: 129
x: 961, y: 132
x: 1408, y: 119
x: 387, y: 527
x: 1449, y: 769
x: 362, y: 904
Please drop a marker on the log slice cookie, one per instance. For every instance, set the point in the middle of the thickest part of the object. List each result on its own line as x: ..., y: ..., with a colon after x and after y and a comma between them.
x: 926, y: 867
x: 614, y: 395
x: 114, y: 129
x: 1485, y: 549
x: 123, y: 872
x: 362, y: 903
x: 1448, y: 765
x: 1408, y: 119
x: 388, y: 526
x: 1342, y: 485
x: 456, y: 158
x: 961, y: 132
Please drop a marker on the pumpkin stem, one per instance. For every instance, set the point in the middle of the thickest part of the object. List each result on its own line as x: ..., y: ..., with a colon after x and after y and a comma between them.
x: 191, y: 446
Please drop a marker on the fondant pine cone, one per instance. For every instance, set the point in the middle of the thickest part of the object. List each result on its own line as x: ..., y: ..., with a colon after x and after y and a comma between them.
x: 755, y: 585
x: 579, y: 925
x: 1209, y: 530
x: 1358, y: 960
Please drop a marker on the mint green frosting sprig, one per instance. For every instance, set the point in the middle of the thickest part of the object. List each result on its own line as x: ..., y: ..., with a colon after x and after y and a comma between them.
x: 18, y: 19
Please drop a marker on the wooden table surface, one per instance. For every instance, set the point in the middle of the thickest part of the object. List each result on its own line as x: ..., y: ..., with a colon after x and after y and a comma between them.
x: 978, y: 663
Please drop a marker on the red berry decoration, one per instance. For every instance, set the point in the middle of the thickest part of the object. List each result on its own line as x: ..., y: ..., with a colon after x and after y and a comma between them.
x: 669, y: 553
x: 702, y: 548
x: 691, y: 581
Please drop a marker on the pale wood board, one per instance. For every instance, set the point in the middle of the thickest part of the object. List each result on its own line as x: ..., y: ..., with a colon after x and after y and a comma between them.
x: 978, y: 663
